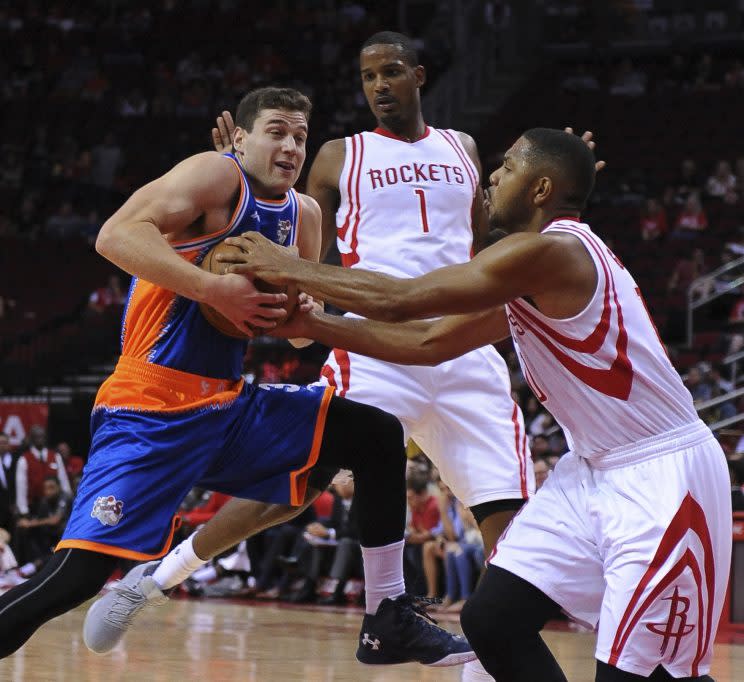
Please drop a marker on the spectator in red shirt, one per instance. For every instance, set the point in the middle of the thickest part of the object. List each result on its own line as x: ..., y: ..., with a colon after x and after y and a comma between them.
x: 107, y: 297
x: 34, y: 466
x: 73, y: 464
x: 424, y: 510
x: 653, y: 220
x: 691, y: 221
x: 424, y: 513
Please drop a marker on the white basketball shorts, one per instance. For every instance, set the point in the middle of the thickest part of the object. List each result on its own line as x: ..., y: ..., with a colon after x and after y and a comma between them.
x: 460, y: 413
x: 637, y: 544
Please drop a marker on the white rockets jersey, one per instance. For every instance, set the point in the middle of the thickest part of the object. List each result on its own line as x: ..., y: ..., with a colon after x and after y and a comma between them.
x: 406, y: 206
x: 603, y: 374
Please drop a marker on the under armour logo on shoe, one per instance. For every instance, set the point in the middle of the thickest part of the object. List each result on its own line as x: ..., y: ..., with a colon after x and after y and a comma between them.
x: 375, y: 643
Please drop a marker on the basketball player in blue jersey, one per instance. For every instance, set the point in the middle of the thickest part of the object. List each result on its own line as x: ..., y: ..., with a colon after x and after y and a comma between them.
x: 176, y: 413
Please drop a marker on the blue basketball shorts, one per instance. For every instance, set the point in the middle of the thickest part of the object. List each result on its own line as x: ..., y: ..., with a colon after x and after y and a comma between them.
x: 142, y: 464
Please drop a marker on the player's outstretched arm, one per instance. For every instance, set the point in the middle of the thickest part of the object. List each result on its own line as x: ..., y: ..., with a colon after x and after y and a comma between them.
x: 308, y: 246
x: 478, y: 210
x: 322, y: 185
x: 133, y: 239
x: 420, y: 342
x: 524, y: 264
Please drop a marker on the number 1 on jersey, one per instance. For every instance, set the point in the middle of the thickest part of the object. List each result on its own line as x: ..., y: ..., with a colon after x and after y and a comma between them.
x: 422, y: 205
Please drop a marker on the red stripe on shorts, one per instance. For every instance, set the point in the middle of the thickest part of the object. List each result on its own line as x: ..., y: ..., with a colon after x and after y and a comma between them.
x: 518, y: 449
x: 344, y: 366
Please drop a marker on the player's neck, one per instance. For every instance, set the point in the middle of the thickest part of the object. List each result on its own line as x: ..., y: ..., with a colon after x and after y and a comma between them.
x: 262, y: 193
x: 407, y: 131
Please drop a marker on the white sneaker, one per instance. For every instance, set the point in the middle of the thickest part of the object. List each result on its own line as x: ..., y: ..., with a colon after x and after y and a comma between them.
x: 109, y: 618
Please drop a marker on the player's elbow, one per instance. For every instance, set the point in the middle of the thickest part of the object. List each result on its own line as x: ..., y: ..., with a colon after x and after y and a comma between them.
x: 106, y: 239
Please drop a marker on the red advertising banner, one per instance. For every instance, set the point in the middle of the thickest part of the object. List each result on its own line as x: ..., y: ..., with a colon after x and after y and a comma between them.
x: 18, y: 415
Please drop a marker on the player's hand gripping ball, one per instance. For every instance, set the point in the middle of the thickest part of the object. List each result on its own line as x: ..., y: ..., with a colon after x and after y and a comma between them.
x: 219, y: 321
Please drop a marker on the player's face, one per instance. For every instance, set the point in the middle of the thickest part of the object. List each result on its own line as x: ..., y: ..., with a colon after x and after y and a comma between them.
x: 390, y: 84
x: 273, y: 152
x: 509, y: 205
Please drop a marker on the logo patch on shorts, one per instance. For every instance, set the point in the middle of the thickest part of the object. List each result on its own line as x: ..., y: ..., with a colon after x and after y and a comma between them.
x: 283, y: 228
x: 108, y: 510
x: 676, y: 626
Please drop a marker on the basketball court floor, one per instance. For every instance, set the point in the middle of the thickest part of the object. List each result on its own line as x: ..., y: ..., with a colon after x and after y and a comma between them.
x: 252, y: 642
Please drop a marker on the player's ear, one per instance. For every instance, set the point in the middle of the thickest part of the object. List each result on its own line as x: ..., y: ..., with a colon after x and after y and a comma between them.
x: 543, y: 190
x: 238, y: 137
x: 420, y: 73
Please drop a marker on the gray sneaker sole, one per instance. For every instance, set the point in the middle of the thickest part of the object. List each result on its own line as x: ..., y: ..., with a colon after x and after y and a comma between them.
x: 91, y: 636
x: 454, y: 659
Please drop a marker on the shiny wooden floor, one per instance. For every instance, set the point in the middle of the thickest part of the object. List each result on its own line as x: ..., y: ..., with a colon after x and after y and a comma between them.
x: 238, y: 642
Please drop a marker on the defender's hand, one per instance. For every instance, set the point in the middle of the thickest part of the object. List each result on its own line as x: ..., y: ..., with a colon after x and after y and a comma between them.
x: 299, y: 327
x: 222, y: 135
x: 261, y: 258
x: 589, y: 141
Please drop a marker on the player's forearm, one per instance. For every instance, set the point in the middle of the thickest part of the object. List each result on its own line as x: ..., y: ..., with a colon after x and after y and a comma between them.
x: 382, y: 297
x: 404, y: 343
x: 141, y: 250
x: 371, y: 294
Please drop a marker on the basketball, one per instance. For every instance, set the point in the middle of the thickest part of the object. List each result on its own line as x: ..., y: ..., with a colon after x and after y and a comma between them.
x: 219, y: 321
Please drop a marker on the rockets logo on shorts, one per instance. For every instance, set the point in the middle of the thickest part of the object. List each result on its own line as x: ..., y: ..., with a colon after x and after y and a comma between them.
x: 676, y: 626
x: 108, y: 510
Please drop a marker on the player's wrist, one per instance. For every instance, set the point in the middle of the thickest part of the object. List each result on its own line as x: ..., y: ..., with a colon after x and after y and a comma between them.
x: 292, y: 271
x: 206, y: 287
x: 320, y: 326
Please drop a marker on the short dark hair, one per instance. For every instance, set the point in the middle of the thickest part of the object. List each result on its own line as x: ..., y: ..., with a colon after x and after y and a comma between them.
x: 407, y: 46
x: 569, y: 154
x: 417, y: 482
x: 270, y: 98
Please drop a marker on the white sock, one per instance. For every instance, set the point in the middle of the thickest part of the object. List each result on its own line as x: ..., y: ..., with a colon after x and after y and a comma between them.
x: 383, y: 574
x: 206, y: 574
x: 475, y: 672
x: 178, y: 565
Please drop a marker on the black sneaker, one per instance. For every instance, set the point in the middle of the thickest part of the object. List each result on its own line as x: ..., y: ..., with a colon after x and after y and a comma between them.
x: 402, y: 632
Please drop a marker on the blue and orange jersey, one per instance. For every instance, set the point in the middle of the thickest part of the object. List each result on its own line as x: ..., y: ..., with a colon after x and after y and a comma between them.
x: 165, y: 340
